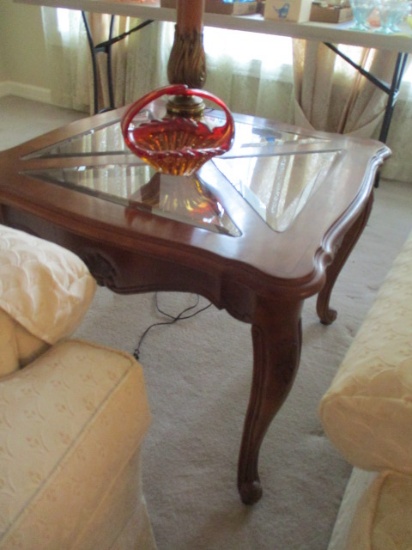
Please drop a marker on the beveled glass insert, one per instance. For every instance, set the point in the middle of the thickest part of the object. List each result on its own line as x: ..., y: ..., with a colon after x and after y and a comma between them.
x: 108, y: 140
x: 139, y: 187
x: 278, y: 186
x: 256, y: 141
x: 104, y: 140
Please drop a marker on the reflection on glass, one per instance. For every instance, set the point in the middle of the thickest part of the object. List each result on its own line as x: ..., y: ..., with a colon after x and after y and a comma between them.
x: 182, y: 198
x: 139, y: 188
x: 105, y: 140
x: 251, y: 141
x: 278, y: 187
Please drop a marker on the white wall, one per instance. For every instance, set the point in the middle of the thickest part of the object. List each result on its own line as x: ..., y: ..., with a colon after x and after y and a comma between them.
x: 23, y: 66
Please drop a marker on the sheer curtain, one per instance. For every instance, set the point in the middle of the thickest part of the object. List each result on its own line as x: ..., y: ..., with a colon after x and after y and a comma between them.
x: 332, y: 95
x: 138, y: 61
x: 68, y: 63
x: 252, y: 72
x: 292, y: 81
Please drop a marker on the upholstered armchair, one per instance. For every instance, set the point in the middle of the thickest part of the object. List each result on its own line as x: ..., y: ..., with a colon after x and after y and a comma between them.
x: 73, y: 414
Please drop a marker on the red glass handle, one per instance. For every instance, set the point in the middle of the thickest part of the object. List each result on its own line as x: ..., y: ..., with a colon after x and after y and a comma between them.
x: 183, y: 90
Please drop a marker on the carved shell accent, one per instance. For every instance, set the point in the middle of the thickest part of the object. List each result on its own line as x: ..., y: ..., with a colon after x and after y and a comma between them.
x: 101, y: 268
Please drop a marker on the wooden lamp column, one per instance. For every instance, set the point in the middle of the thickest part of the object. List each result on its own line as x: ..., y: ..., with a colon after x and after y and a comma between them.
x: 187, y: 61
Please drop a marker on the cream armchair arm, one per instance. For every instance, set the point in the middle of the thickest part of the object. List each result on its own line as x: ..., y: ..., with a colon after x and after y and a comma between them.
x: 72, y: 420
x: 71, y: 426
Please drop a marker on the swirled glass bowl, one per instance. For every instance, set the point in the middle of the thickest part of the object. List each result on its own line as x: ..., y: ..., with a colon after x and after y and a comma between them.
x: 176, y: 144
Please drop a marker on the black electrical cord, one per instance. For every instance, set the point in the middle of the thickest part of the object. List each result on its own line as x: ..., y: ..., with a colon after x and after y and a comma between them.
x: 172, y: 319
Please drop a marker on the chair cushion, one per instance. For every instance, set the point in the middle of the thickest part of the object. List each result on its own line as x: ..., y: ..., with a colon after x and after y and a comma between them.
x: 358, y: 483
x: 44, y: 287
x: 17, y: 346
x: 69, y: 424
x: 367, y: 411
x: 383, y: 517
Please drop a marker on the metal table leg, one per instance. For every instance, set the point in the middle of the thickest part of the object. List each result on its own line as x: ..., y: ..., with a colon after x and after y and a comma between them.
x: 106, y: 47
x: 391, y: 90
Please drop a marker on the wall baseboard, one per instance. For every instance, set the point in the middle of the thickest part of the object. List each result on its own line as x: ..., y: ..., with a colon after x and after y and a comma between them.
x: 35, y: 93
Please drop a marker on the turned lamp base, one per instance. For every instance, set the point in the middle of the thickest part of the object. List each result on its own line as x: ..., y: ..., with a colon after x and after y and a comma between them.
x: 186, y: 106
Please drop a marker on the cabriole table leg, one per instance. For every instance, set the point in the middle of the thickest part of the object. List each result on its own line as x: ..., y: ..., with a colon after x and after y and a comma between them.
x: 276, y: 335
x: 325, y: 313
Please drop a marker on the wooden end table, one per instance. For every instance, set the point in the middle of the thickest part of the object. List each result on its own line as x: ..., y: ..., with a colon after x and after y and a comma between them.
x: 258, y: 231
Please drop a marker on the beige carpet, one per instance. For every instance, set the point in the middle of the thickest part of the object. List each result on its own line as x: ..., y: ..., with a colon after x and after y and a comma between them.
x: 198, y: 376
x: 21, y: 120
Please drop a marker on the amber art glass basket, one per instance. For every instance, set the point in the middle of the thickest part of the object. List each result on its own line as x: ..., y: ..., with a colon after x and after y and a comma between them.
x: 176, y: 144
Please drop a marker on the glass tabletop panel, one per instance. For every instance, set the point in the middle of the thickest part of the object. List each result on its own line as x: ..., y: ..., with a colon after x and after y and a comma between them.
x: 276, y: 172
x: 104, y: 140
x: 139, y: 187
x: 108, y: 139
x: 279, y: 186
